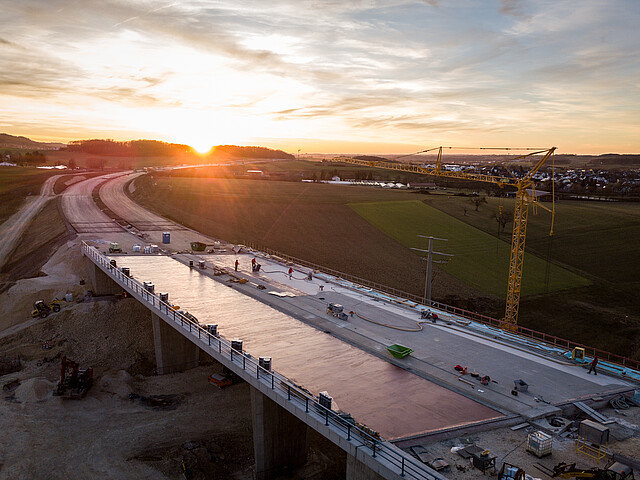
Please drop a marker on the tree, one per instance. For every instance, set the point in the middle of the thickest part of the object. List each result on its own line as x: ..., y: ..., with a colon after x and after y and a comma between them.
x: 72, y: 164
x: 479, y: 200
x: 503, y: 218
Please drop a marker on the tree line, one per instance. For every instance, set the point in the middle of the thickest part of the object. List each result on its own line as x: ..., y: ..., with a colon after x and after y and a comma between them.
x: 132, y: 148
x: 250, y: 152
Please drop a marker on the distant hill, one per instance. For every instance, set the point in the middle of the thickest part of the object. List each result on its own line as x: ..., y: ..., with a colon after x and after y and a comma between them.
x: 371, y: 158
x: 11, y: 141
x: 133, y: 148
x: 250, y: 152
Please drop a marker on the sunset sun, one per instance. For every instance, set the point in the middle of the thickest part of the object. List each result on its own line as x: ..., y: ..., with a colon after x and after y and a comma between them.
x: 201, y: 146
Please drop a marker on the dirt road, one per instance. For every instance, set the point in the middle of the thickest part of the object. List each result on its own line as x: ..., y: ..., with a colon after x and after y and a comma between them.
x: 82, y: 212
x: 11, y: 230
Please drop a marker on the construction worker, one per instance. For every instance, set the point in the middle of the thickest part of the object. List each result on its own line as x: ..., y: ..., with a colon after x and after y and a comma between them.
x: 253, y: 264
x: 237, y: 263
x: 593, y: 364
x: 290, y: 272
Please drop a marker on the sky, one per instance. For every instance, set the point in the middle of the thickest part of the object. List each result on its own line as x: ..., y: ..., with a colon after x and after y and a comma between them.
x: 329, y: 76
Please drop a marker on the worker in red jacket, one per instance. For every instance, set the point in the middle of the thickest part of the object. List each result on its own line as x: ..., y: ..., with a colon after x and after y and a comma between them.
x: 592, y: 365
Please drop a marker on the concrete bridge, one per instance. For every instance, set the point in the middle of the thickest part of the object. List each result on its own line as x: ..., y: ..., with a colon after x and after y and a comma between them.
x: 409, y: 402
x: 281, y: 410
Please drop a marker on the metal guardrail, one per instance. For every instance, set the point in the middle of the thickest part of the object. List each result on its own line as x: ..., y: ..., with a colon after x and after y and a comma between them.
x: 296, y: 397
x: 549, y: 340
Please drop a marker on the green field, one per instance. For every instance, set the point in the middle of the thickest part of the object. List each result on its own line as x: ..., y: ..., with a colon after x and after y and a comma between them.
x: 596, y: 238
x: 480, y: 260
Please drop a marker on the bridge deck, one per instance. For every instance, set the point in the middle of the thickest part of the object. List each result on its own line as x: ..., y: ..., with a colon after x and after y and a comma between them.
x: 393, y: 401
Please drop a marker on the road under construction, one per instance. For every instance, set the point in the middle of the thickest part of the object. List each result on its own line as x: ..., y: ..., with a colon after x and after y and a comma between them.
x: 284, y: 316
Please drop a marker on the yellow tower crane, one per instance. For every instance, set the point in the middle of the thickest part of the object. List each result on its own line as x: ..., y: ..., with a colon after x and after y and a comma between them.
x: 524, y: 196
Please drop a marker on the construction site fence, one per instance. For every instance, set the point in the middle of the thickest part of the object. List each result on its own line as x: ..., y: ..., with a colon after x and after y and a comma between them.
x: 404, y: 464
x: 550, y: 340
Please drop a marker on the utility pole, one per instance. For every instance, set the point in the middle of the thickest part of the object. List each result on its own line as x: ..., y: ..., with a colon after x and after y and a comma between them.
x: 430, y: 252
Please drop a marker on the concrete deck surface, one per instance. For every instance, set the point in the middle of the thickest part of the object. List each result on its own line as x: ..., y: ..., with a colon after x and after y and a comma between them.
x: 389, y: 399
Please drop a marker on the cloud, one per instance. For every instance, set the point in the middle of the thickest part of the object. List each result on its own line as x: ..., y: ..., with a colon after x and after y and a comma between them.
x: 513, y: 7
x: 350, y: 68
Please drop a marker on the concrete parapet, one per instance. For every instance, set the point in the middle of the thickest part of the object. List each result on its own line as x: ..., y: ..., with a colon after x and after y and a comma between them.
x: 356, y: 470
x: 101, y: 283
x: 174, y: 352
x: 279, y: 438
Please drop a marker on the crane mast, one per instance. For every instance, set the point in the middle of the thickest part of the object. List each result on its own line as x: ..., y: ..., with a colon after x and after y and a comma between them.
x: 521, y: 212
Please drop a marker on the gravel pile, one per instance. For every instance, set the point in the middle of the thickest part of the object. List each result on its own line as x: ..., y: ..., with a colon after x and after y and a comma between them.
x: 34, y: 390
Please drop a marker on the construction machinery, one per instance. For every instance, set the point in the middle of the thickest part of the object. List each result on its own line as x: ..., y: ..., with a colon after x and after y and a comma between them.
x: 226, y: 378
x: 612, y: 471
x: 42, y: 310
x: 114, y: 247
x: 74, y: 382
x: 337, y: 311
x: 524, y: 196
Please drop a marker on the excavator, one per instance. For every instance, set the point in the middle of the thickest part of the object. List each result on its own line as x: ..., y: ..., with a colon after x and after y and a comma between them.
x: 75, y: 382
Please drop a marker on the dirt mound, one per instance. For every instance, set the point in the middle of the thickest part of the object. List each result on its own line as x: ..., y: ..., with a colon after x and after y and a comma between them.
x: 9, y: 365
x: 34, y: 390
x: 107, y: 333
x: 60, y: 275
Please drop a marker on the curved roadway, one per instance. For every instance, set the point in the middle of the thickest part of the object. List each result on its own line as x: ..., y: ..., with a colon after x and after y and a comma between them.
x: 114, y: 197
x: 82, y: 212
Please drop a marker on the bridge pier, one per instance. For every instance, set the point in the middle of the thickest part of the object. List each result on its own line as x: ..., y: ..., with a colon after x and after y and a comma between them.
x: 174, y: 352
x: 356, y: 470
x: 101, y: 282
x: 279, y: 438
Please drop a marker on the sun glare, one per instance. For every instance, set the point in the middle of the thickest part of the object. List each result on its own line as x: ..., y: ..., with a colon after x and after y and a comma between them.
x: 201, y: 147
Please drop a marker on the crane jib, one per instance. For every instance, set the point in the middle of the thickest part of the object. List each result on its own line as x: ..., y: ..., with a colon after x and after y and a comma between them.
x: 523, y: 199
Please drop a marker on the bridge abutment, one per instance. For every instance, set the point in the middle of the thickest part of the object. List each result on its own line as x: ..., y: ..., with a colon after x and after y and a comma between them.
x: 174, y: 352
x: 279, y: 438
x: 101, y: 282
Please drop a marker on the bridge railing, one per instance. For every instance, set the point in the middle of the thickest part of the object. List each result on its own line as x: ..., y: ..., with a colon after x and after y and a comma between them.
x: 298, y: 397
x: 529, y: 333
